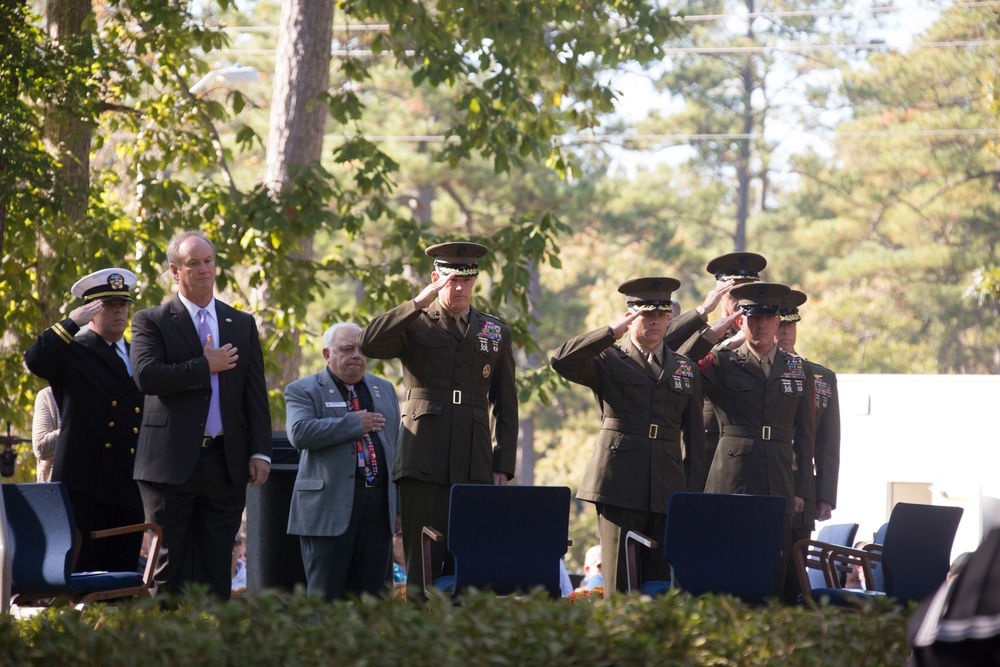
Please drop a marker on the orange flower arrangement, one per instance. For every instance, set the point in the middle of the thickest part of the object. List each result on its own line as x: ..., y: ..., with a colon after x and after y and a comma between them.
x: 581, y: 594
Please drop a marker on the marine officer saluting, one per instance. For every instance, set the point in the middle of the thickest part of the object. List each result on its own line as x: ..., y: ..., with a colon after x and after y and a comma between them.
x: 762, y: 398
x: 458, y: 369
x: 652, y: 440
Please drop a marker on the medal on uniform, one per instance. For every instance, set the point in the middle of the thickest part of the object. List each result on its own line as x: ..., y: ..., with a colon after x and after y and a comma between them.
x: 482, y: 345
x: 798, y: 385
x: 687, y: 383
x: 677, y: 382
x: 496, y: 345
x: 486, y: 371
x: 786, y: 386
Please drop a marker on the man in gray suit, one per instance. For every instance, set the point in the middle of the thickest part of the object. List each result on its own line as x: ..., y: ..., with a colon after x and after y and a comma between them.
x: 344, y: 508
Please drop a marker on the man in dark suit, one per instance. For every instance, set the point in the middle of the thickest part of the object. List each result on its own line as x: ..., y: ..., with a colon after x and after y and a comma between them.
x: 206, y: 427
x: 99, y: 414
x: 824, y: 466
x: 458, y: 368
x: 652, y: 440
x: 762, y: 398
x: 344, y: 507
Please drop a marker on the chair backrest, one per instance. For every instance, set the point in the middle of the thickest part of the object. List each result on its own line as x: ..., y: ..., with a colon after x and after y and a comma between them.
x: 42, y: 537
x: 508, y: 538
x: 916, y: 553
x: 878, y: 574
x: 725, y: 543
x: 839, y: 533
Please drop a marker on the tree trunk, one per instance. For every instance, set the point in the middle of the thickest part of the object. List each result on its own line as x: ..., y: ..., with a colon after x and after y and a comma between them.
x: 68, y: 138
x: 743, y: 165
x: 298, y: 118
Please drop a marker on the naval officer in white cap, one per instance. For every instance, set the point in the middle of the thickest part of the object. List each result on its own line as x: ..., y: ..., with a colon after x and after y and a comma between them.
x: 85, y: 359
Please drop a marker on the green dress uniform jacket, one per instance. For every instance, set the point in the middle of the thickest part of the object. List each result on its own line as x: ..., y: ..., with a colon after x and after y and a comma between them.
x: 454, y: 384
x: 767, y: 427
x: 826, y: 455
x: 638, y: 461
x: 100, y: 411
x: 696, y: 346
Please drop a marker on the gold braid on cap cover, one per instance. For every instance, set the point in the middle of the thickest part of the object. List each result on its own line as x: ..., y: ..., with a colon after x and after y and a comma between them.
x: 647, y: 306
x: 447, y: 269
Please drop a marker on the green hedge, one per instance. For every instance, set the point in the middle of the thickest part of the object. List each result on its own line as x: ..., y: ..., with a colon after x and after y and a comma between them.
x: 283, y: 630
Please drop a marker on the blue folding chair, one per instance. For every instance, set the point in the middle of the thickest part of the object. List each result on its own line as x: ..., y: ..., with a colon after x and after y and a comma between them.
x: 913, y: 559
x: 507, y: 539
x: 839, y: 533
x: 717, y: 543
x: 43, y: 543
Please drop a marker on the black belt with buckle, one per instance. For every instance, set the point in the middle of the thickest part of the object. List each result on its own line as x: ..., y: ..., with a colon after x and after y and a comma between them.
x: 208, y: 442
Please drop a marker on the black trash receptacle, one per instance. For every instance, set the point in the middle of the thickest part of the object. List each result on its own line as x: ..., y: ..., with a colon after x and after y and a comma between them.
x: 274, y: 558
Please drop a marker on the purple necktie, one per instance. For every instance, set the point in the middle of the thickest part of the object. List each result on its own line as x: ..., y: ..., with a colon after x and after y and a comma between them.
x: 214, y: 423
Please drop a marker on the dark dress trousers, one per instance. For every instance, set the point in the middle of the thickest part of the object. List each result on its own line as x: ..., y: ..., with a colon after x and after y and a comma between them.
x: 639, y: 459
x: 825, y: 463
x: 459, y: 423
x: 100, y: 410
x: 197, y: 493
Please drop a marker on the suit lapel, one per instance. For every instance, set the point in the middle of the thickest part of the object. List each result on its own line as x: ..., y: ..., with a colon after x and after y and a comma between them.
x: 748, y: 362
x: 106, y: 353
x: 636, y: 356
x: 328, y: 390
x: 186, y: 328
x: 227, y: 334
x: 442, y: 319
x: 378, y: 405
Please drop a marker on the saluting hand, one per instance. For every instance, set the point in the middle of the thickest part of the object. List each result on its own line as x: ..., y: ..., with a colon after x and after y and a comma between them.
x: 723, y: 324
x: 715, y: 296
x: 736, y: 340
x: 621, y: 326
x: 429, y: 293
x: 85, y: 313
x: 220, y: 358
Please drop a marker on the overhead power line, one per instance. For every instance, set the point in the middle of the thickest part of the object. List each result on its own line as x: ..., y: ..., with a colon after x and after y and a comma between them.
x: 706, y: 50
x: 808, y: 48
x: 699, y: 18
x: 686, y: 138
x: 694, y: 18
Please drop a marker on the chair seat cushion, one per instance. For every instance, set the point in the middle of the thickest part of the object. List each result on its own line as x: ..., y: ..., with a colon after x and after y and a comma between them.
x: 445, y: 584
x: 654, y: 588
x: 92, y: 582
x: 844, y: 597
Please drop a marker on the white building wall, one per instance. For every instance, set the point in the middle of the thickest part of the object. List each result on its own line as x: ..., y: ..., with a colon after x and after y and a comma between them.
x: 939, y: 432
